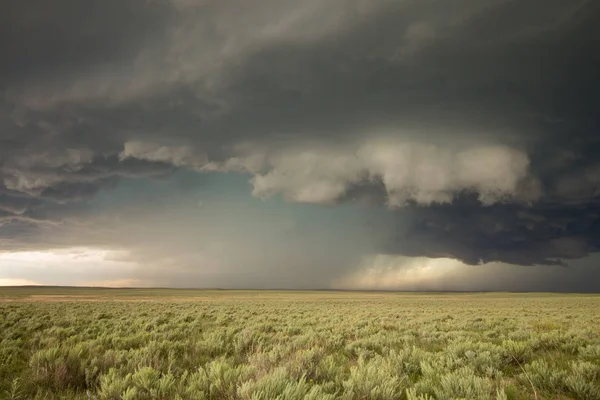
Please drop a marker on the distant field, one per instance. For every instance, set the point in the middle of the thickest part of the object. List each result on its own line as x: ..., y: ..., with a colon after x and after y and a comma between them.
x: 95, y: 343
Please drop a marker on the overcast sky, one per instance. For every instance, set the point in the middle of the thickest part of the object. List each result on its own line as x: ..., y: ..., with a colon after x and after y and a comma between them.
x: 380, y: 144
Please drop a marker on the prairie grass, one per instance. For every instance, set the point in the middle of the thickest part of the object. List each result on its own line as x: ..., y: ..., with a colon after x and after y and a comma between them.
x: 104, y: 344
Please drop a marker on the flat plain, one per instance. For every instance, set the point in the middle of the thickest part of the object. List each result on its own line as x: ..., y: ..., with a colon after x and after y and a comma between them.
x: 93, y: 343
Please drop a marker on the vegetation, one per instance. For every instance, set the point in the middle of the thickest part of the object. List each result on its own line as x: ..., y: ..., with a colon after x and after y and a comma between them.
x: 167, y: 344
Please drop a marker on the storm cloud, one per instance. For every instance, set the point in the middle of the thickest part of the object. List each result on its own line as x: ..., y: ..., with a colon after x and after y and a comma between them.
x: 466, y: 131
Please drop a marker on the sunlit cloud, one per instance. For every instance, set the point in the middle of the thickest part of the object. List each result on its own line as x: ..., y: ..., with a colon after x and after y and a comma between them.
x: 117, y: 283
x: 390, y: 272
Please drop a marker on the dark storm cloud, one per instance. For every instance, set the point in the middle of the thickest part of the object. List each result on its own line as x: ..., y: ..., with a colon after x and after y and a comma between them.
x: 43, y: 40
x: 404, y: 102
x: 14, y: 205
x: 505, y: 69
x: 549, y: 233
x: 73, y: 191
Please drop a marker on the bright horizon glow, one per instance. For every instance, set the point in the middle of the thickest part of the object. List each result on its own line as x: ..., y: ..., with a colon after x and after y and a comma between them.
x: 17, y: 282
x: 75, y: 266
x: 72, y: 253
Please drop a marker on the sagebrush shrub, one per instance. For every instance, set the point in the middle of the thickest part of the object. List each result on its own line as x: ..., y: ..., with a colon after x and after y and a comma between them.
x: 288, y: 346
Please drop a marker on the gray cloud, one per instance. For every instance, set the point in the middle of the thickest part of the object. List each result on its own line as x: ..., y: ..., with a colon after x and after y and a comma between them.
x: 549, y: 233
x: 46, y: 42
x: 474, y: 121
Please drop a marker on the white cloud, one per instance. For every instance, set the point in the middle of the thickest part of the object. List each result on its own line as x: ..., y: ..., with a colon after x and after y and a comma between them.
x: 410, y: 171
x: 318, y: 176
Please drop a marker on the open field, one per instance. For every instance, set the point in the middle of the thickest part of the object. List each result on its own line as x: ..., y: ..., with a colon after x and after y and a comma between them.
x: 80, y: 343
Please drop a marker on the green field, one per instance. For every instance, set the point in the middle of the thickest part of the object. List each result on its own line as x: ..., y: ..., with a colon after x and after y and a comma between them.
x: 60, y: 343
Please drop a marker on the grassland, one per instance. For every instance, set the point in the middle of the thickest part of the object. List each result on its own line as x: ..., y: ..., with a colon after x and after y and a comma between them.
x: 190, y: 344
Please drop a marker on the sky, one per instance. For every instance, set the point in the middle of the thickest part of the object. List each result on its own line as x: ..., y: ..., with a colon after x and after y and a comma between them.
x: 344, y: 144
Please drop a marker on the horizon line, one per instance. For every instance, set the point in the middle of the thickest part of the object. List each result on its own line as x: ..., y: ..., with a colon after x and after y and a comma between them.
x: 283, y: 289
